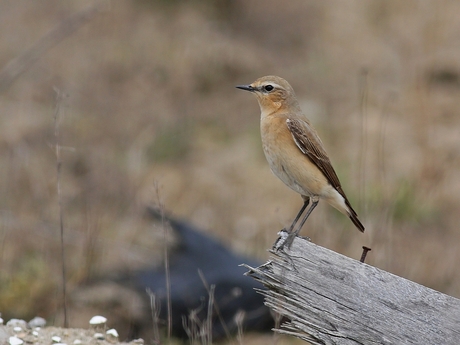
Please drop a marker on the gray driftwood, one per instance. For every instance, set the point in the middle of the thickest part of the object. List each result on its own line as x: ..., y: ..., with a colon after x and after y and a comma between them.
x: 328, y: 298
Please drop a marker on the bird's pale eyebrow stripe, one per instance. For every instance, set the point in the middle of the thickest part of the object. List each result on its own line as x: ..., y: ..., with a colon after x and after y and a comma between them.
x: 275, y: 85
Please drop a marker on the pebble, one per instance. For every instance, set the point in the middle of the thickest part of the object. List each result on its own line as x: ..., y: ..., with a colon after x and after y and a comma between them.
x: 28, y: 338
x: 37, y: 322
x: 97, y: 320
x: 112, y: 335
x: 15, y: 341
x: 17, y: 323
x: 17, y: 329
x: 77, y: 342
x: 113, y: 332
x: 1, y: 321
x: 56, y: 339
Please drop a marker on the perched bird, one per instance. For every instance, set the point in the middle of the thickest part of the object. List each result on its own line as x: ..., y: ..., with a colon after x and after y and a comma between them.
x: 295, y: 152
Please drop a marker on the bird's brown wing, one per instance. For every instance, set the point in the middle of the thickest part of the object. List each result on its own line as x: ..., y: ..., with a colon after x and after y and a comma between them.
x: 311, y: 146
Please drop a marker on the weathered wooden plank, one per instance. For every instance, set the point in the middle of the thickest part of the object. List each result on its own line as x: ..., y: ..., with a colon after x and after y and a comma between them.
x: 329, y: 298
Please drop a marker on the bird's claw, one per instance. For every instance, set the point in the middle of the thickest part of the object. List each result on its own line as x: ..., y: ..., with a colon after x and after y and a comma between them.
x: 286, y: 239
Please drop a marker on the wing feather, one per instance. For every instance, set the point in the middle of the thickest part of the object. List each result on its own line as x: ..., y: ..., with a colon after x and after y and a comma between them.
x: 311, y: 146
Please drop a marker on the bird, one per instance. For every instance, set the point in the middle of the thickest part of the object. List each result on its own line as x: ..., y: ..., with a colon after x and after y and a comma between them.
x: 295, y: 152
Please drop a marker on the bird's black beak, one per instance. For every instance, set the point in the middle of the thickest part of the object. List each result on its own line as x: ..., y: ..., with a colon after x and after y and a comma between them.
x: 246, y: 87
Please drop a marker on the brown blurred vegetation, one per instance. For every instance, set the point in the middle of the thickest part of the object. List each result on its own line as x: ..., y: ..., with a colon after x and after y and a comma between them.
x: 151, y: 114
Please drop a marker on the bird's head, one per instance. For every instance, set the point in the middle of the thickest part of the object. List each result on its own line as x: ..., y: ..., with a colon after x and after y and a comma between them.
x: 273, y: 93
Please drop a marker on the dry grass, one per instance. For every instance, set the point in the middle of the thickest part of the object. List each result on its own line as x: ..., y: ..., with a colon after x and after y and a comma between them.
x: 151, y: 102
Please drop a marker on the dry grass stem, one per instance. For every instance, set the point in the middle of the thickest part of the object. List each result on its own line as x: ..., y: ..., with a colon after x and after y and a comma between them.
x: 216, y: 306
x: 57, y: 119
x: 165, y: 228
x: 155, y: 311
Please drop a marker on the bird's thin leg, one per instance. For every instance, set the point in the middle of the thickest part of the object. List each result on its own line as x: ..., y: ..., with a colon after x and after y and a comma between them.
x: 305, y: 204
x: 293, y: 234
x: 312, y: 207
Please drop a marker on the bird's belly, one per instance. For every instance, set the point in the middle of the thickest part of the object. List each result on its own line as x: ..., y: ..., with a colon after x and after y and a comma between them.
x: 295, y: 170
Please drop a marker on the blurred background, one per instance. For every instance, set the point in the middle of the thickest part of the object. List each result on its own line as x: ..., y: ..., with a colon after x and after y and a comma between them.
x: 149, y: 115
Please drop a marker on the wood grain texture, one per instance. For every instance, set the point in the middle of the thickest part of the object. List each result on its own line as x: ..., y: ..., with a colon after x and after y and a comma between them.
x: 332, y: 299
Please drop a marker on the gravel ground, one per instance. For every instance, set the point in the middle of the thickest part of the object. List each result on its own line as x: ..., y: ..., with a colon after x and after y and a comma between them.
x: 18, y: 332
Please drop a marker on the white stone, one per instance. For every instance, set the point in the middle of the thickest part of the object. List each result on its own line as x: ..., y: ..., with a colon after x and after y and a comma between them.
x: 15, y: 341
x: 17, y: 329
x: 37, y: 322
x: 56, y: 339
x: 35, y: 333
x: 97, y: 320
x: 113, y: 332
x: 77, y: 342
x: 17, y: 323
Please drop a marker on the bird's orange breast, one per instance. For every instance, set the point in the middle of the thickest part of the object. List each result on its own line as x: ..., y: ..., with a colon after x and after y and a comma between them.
x: 286, y: 161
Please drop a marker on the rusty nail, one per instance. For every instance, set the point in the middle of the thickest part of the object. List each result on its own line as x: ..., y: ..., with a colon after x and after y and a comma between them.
x: 365, y: 250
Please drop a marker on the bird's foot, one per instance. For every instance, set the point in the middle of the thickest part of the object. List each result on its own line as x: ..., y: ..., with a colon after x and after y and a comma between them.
x: 281, y: 240
x: 286, y: 239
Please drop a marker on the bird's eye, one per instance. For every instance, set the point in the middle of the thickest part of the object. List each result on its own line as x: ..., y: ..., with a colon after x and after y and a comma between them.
x: 268, y: 87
